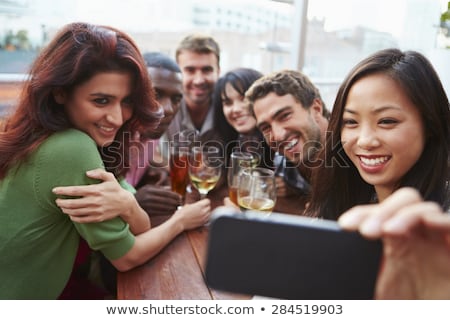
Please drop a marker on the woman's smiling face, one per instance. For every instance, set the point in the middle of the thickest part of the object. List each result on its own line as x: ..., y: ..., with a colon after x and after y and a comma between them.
x: 100, y: 106
x: 236, y: 110
x: 382, y: 133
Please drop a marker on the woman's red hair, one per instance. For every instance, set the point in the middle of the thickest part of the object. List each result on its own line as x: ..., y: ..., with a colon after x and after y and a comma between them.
x: 77, y: 53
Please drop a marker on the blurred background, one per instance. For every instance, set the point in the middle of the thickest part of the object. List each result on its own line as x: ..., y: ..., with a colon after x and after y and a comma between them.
x: 322, y: 38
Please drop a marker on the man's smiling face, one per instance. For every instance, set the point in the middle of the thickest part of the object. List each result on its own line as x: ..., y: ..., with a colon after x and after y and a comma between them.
x: 287, y: 126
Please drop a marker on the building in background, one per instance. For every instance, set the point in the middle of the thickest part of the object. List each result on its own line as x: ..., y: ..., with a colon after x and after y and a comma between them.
x: 252, y: 33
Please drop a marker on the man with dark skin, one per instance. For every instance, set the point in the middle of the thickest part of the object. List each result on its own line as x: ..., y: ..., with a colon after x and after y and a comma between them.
x: 152, y: 194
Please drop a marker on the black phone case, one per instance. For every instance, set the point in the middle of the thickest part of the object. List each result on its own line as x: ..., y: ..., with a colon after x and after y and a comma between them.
x: 289, y: 257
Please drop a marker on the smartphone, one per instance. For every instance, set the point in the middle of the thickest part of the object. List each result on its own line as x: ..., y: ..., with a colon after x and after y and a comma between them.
x: 289, y: 257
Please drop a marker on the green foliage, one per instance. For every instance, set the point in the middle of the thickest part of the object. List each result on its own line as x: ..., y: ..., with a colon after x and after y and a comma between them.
x: 17, y: 41
x: 445, y: 21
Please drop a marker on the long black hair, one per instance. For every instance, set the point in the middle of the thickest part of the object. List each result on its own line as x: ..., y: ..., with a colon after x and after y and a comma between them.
x: 240, y: 79
x: 337, y: 184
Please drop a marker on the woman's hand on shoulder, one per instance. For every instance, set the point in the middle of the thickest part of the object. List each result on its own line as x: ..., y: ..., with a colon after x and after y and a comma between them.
x: 96, y: 202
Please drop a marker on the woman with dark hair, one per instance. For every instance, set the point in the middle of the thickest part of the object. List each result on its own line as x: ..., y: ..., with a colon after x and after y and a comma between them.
x: 87, y: 93
x: 233, y: 118
x: 388, y: 144
x: 384, y: 171
x: 389, y: 128
x: 237, y: 124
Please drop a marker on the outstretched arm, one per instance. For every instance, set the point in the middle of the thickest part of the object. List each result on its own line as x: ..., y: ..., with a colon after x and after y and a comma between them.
x: 416, y: 238
x: 149, y: 243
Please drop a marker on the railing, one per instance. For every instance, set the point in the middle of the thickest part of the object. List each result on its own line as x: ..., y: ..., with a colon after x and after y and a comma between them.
x: 13, y: 77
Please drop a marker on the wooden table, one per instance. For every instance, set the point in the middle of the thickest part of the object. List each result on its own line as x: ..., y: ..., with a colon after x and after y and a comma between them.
x: 177, y: 272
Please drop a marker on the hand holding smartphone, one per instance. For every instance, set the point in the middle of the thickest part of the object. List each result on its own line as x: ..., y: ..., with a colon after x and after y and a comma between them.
x: 289, y: 257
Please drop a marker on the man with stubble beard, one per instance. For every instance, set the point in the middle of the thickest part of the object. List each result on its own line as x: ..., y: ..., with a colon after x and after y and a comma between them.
x: 293, y: 119
x: 198, y: 57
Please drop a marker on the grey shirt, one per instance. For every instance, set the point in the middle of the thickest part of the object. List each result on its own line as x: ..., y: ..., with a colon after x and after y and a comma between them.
x: 182, y: 121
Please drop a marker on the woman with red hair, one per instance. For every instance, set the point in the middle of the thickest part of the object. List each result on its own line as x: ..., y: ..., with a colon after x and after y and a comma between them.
x: 87, y: 93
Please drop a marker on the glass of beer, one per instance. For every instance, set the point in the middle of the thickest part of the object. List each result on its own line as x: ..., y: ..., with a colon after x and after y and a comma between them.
x: 178, y: 160
x: 205, y: 168
x: 238, y: 161
x: 257, y: 190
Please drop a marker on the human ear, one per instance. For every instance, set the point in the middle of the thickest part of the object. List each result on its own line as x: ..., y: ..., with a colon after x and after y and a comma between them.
x: 317, y: 108
x: 59, y: 95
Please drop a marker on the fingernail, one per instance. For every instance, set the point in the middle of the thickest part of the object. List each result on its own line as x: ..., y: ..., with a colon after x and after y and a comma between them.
x: 347, y: 220
x: 55, y: 190
x: 371, y: 227
x: 394, y: 225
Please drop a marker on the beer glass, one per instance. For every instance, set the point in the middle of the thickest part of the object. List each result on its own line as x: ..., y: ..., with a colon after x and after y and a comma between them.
x: 178, y: 160
x: 257, y: 190
x: 238, y: 161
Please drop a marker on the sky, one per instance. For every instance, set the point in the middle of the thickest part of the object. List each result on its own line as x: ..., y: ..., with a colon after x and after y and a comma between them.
x: 336, y: 11
x: 144, y: 14
x: 344, y: 13
x: 383, y: 15
x: 404, y: 19
x: 149, y: 15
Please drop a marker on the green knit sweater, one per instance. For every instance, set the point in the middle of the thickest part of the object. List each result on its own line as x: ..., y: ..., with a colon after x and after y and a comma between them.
x: 38, y: 242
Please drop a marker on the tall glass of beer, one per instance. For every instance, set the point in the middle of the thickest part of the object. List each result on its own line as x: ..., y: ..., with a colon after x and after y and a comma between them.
x: 238, y: 161
x: 179, y: 154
